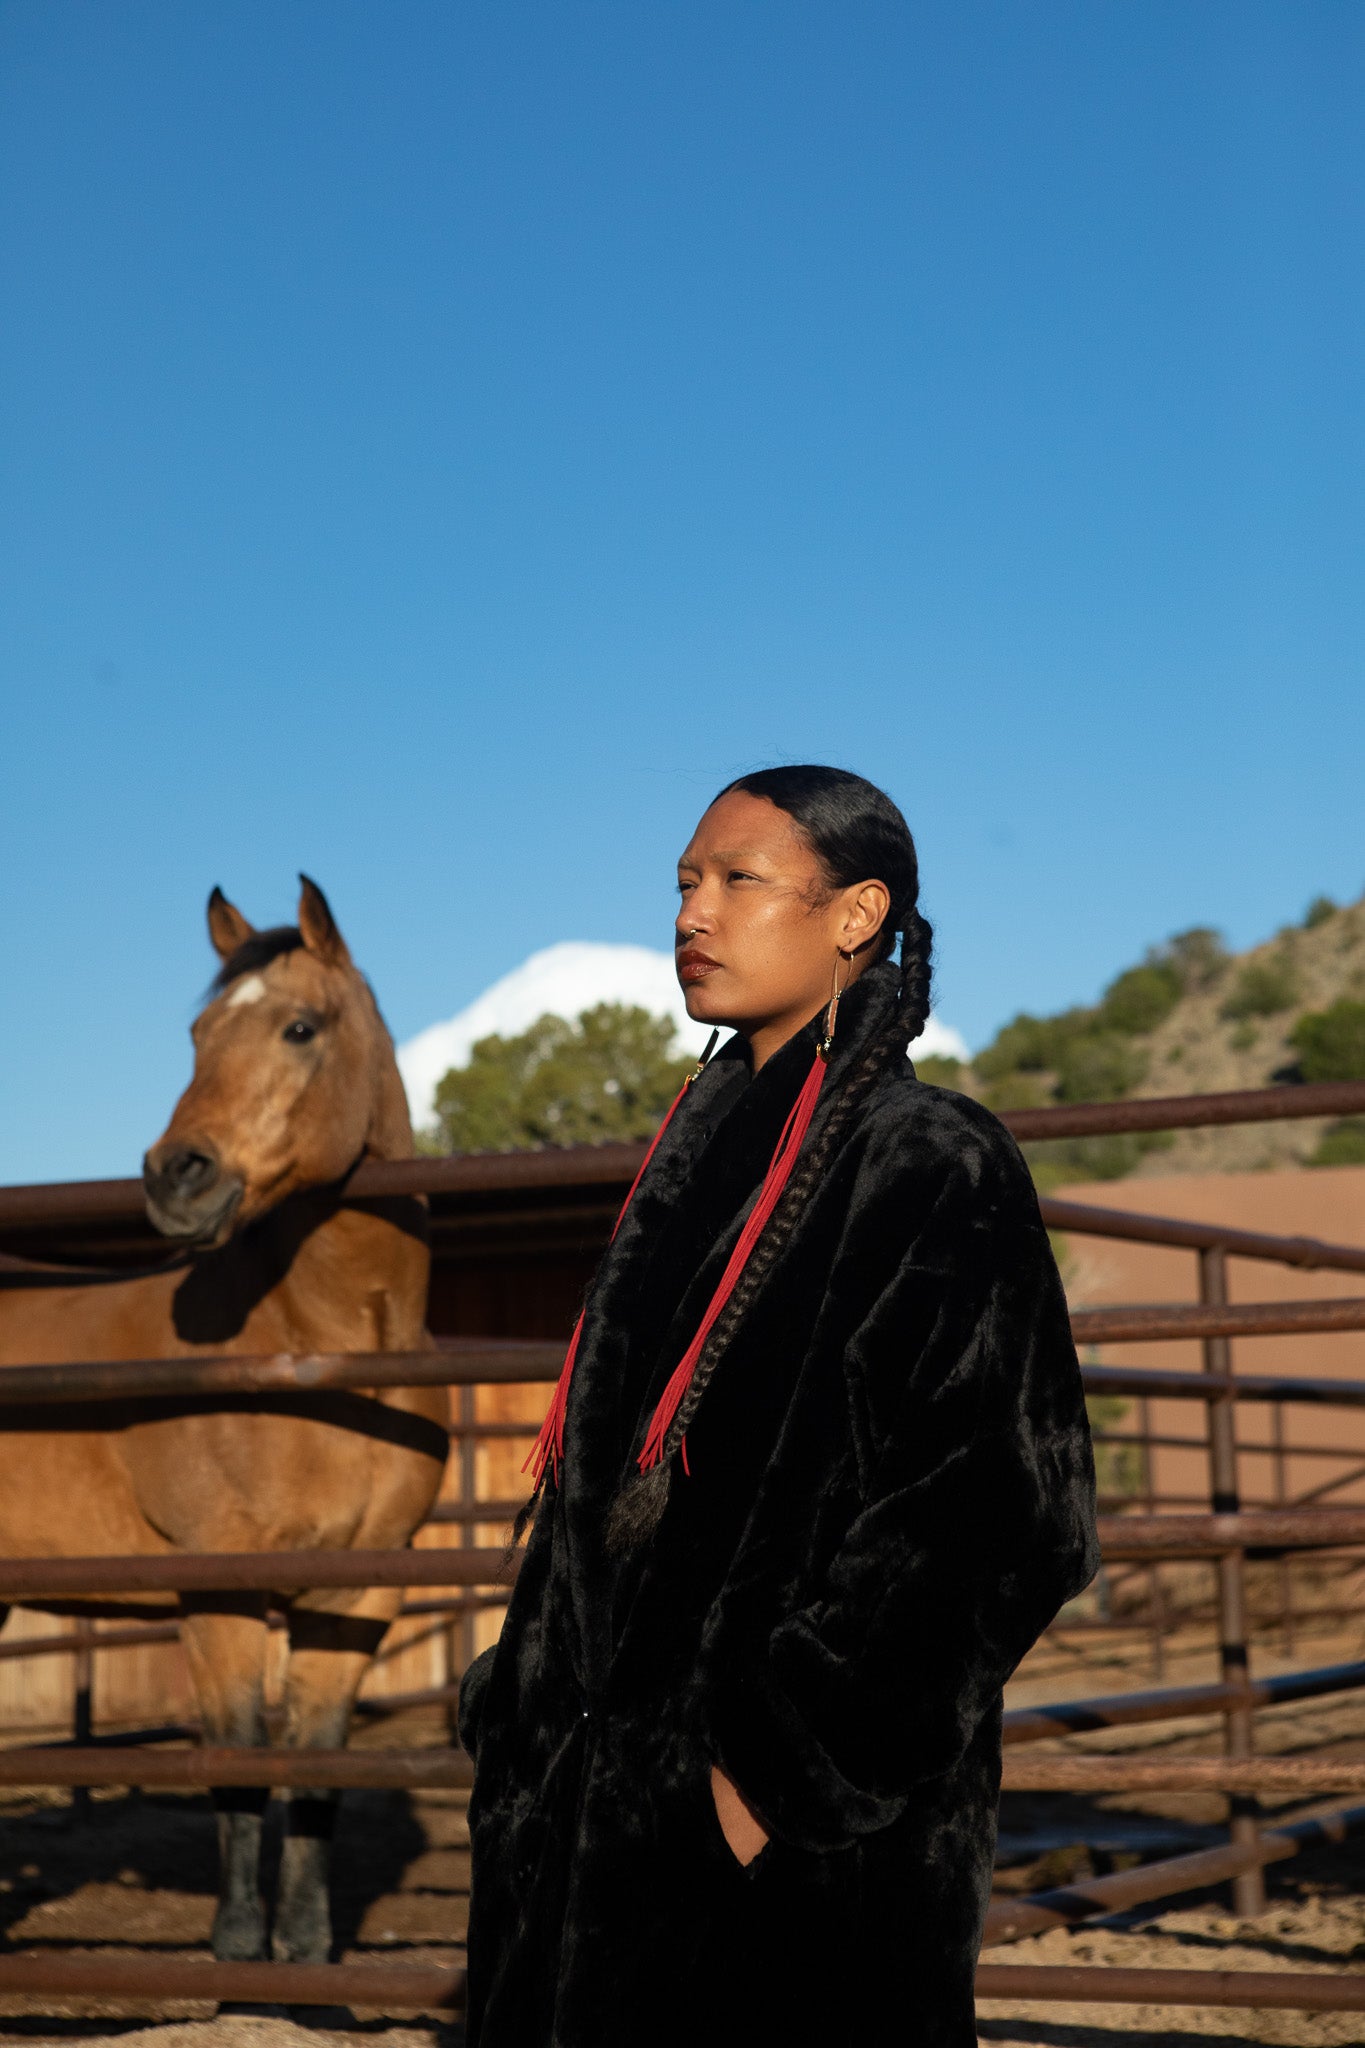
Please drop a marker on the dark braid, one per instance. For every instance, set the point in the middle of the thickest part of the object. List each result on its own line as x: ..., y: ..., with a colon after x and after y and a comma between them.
x: 639, y: 1506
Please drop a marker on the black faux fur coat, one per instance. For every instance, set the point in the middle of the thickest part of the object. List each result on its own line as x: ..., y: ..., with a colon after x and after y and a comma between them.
x: 891, y: 1494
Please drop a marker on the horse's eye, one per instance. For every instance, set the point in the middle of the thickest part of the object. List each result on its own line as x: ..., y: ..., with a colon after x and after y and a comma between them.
x: 298, y: 1033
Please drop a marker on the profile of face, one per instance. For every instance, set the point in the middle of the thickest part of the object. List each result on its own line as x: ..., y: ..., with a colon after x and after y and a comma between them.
x: 762, y: 934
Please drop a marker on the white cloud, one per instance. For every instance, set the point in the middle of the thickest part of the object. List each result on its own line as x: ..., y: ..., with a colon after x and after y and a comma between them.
x: 566, y: 980
x: 940, y: 1039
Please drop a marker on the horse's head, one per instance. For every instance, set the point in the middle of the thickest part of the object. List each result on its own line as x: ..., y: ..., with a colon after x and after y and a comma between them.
x: 294, y: 1078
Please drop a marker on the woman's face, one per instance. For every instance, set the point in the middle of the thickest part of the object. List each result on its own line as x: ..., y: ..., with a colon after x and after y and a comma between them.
x: 759, y: 929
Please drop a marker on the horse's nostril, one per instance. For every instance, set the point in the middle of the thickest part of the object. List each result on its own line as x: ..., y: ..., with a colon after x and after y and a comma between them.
x: 188, y: 1173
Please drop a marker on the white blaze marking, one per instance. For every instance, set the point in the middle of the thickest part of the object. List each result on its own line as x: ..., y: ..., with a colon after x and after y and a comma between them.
x: 249, y: 991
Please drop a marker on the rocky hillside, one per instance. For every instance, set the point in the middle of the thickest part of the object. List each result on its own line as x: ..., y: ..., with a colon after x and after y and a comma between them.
x: 1191, y: 1018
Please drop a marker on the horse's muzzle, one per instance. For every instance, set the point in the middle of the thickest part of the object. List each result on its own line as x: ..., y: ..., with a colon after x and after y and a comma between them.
x: 189, y: 1193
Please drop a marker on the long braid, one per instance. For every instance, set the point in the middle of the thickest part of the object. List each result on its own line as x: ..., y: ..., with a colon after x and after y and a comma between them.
x: 638, y: 1507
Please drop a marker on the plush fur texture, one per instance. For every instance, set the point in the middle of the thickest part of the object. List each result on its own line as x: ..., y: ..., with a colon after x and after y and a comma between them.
x: 891, y: 1494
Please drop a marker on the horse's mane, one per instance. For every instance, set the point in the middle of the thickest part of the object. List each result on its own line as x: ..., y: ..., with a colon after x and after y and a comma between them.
x: 255, y: 953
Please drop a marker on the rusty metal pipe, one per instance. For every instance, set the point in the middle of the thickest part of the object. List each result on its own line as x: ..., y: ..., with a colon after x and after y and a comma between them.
x: 289, y: 1571
x: 44, y: 1205
x: 397, y: 1770
x: 1307, y: 1776
x: 1013, y: 1919
x: 383, y: 1704
x: 1137, y: 1536
x: 1084, y: 1219
x: 464, y: 1603
x: 1200, y: 1386
x: 456, y: 1361
x: 1188, y: 1112
x: 110, y: 1639
x: 1275, y: 1990
x: 251, y: 1571
x: 1167, y: 1703
x: 404, y: 1987
x: 391, y: 1987
x: 1248, y: 1886
x: 1201, y: 1320
x: 504, y: 1361
x: 467, y: 1513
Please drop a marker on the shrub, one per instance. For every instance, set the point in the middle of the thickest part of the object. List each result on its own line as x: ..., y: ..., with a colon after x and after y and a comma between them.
x: 939, y: 1071
x: 1330, y: 1043
x: 1029, y: 1045
x: 1318, y: 912
x: 1056, y: 1162
x: 1341, y: 1144
x: 1263, y: 988
x: 1118, y: 1466
x: 1098, y: 1069
x: 1142, y: 998
x: 1017, y: 1091
x: 1198, y: 955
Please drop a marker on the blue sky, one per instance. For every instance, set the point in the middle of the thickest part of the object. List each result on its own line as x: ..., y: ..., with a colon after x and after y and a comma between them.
x: 442, y: 442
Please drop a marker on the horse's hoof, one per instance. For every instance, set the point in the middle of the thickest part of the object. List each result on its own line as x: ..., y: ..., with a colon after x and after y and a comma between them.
x: 239, y: 1934
x: 302, y: 1937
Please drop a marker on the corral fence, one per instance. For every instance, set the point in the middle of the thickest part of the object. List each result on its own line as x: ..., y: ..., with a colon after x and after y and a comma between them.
x: 495, y: 1219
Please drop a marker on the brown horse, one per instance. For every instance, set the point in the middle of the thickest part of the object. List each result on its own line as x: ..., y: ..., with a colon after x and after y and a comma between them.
x: 294, y: 1082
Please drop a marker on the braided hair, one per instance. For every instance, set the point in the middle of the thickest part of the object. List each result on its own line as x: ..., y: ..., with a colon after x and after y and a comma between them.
x: 857, y: 834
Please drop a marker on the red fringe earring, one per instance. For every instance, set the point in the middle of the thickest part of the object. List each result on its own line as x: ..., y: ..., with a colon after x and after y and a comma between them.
x: 548, y: 1451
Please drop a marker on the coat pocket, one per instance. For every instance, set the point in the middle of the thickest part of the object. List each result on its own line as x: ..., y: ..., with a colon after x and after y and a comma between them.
x: 716, y: 1844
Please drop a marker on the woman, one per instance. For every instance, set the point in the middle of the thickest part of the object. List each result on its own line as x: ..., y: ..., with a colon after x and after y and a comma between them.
x: 816, y: 1476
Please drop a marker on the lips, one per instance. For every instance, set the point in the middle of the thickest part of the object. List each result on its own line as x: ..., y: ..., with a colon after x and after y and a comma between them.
x: 695, y: 966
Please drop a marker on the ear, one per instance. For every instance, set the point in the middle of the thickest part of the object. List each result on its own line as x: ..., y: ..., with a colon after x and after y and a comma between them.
x: 865, y: 913
x: 319, y: 927
x: 228, y: 929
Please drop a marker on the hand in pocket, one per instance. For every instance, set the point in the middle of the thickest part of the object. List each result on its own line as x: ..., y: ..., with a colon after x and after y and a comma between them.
x: 739, y: 1824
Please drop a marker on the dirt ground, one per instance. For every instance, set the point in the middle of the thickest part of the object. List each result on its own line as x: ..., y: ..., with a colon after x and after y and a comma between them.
x: 137, y: 1873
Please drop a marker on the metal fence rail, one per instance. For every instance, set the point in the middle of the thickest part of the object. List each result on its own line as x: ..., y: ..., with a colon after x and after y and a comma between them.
x: 42, y: 1206
x: 1223, y: 1536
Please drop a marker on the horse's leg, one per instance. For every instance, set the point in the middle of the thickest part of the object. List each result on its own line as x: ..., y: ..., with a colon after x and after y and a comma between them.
x: 328, y: 1657
x: 225, y: 1646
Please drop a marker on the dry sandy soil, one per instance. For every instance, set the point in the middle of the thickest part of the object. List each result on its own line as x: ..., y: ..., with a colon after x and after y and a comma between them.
x: 137, y: 1873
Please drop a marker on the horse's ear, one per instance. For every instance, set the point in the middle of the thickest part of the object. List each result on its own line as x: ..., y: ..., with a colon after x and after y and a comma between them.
x: 319, y: 927
x: 228, y: 929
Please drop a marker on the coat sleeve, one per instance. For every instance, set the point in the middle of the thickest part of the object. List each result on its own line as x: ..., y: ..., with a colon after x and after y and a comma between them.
x: 473, y: 1688
x: 973, y: 1524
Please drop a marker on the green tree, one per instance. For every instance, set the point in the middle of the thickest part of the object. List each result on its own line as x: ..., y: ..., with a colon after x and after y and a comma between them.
x: 610, y: 1074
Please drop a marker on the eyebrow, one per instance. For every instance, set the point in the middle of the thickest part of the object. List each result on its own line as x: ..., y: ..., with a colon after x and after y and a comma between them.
x: 721, y: 855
